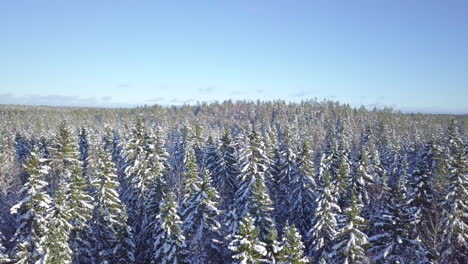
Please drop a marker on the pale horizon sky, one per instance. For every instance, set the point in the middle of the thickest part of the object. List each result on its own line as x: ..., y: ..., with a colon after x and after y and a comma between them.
x: 410, y: 55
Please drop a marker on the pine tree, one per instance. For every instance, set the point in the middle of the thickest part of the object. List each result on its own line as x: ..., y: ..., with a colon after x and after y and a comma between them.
x: 169, y: 242
x: 351, y: 243
x: 287, y: 171
x: 272, y: 246
x: 83, y: 150
x: 3, y: 255
x: 201, y: 226
x: 80, y: 206
x: 245, y: 245
x: 191, y: 177
x: 124, y: 250
x: 157, y: 189
x: 301, y: 195
x: 454, y: 246
x: 108, y: 206
x: 226, y: 171
x: 56, y: 244
x: 392, y: 240
x: 31, y: 212
x: 64, y: 158
x: 292, y: 248
x: 252, y: 195
x: 325, y: 227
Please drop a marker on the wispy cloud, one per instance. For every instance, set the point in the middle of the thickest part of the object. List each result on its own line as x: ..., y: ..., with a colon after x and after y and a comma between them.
x: 299, y: 94
x: 60, y: 100
x: 206, y: 90
x: 155, y: 100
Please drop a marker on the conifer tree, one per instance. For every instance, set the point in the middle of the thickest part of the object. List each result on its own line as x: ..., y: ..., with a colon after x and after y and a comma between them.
x: 325, y: 227
x: 454, y: 246
x: 83, y: 150
x: 169, y: 242
x: 252, y: 196
x: 201, y: 226
x: 191, y: 177
x: 124, y: 251
x: 108, y: 207
x: 301, y: 195
x: 31, y: 213
x: 392, y: 240
x: 292, y: 248
x: 157, y: 189
x: 245, y: 245
x: 287, y: 171
x: 56, y: 245
x: 226, y: 171
x: 273, y: 246
x: 352, y: 242
x: 3, y: 255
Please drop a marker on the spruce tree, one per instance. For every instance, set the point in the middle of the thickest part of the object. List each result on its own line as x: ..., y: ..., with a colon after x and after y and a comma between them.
x: 252, y: 196
x: 454, y: 246
x: 108, y: 206
x: 272, y: 246
x: 169, y: 242
x: 157, y: 189
x: 191, y: 177
x: 392, y: 240
x: 124, y: 250
x: 226, y: 171
x: 201, y: 226
x: 325, y: 227
x: 352, y: 242
x: 31, y: 213
x: 287, y: 171
x: 56, y: 244
x: 301, y: 195
x: 245, y: 245
x: 292, y: 248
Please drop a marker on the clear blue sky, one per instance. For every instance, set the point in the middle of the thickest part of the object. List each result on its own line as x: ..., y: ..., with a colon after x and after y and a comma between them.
x: 411, y: 54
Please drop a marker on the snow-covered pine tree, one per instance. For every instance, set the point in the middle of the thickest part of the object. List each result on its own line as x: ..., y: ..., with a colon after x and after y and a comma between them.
x: 30, y: 212
x: 287, y: 170
x: 201, y: 226
x: 292, y: 248
x: 3, y: 255
x: 80, y: 206
x: 64, y: 158
x: 124, y: 251
x: 156, y: 192
x: 454, y: 246
x: 362, y: 177
x: 302, y: 187
x: 169, y: 242
x: 342, y: 177
x: 56, y: 244
x: 272, y: 246
x: 352, y: 242
x: 392, y: 240
x: 245, y: 246
x: 252, y: 196
x: 67, y: 175
x: 420, y: 192
x: 191, y: 177
x: 325, y: 227
x: 83, y: 150
x: 226, y: 170
x: 197, y: 144
x: 107, y: 208
x: 375, y: 167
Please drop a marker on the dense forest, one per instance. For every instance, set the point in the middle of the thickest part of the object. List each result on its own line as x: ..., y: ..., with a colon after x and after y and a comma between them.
x: 232, y: 182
